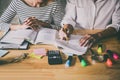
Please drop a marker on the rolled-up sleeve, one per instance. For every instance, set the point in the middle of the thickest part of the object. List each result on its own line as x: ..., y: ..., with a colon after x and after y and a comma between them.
x: 70, y: 13
x: 116, y: 17
x: 7, y: 16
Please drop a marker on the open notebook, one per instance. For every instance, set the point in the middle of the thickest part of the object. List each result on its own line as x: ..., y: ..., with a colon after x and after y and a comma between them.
x: 72, y: 46
x: 9, y: 42
x: 43, y: 36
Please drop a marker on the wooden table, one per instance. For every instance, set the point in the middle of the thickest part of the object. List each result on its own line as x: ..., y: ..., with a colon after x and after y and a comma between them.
x: 39, y: 69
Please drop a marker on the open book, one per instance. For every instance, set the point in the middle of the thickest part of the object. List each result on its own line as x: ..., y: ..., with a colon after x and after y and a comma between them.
x: 44, y: 36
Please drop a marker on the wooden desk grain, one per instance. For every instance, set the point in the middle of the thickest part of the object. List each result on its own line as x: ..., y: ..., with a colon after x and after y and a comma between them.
x: 35, y: 69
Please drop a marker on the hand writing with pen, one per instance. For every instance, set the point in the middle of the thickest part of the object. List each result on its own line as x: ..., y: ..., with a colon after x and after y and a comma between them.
x: 86, y: 40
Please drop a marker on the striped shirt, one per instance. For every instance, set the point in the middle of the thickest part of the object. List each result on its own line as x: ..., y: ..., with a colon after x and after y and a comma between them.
x: 51, y: 13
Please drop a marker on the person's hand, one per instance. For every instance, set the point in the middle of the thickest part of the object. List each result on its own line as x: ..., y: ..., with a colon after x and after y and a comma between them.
x: 65, y: 31
x: 18, y: 27
x: 33, y: 23
x: 88, y: 40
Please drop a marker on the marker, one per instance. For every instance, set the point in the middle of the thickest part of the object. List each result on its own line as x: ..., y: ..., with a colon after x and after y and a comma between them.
x: 110, y: 53
x: 69, y: 62
x: 105, y: 57
x: 82, y: 61
x: 93, y: 56
x: 32, y: 55
x: 109, y: 62
x: 99, y: 50
x: 115, y: 56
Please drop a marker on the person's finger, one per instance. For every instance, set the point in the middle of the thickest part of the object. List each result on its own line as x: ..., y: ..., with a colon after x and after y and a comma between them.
x: 84, y: 40
x: 90, y: 45
x: 27, y: 19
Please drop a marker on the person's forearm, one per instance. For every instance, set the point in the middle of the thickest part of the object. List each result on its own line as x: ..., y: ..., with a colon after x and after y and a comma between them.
x: 17, y: 27
x: 14, y: 27
x: 109, y: 32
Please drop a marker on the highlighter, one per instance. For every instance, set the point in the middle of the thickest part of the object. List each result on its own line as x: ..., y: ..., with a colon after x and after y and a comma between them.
x: 99, y: 50
x: 69, y: 62
x: 82, y: 61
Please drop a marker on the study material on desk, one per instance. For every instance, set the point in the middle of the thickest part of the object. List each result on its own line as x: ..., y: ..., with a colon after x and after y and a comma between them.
x: 3, y: 53
x: 44, y: 36
x: 72, y: 46
x: 19, y: 39
x: 10, y: 41
x: 23, y: 46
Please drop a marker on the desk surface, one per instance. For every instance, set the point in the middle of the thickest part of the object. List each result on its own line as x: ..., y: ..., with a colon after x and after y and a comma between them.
x: 39, y: 69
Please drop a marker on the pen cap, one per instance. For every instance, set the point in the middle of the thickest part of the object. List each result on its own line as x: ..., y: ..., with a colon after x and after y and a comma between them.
x: 110, y: 53
x: 115, y: 56
x: 109, y: 62
x: 83, y: 63
x: 70, y: 58
x: 69, y: 61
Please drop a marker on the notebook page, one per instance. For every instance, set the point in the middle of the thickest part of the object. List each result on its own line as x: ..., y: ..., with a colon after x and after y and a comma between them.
x: 16, y: 37
x: 72, y: 46
x: 46, y: 36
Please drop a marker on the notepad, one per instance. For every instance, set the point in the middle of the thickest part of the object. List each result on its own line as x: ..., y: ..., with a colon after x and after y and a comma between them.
x: 3, y: 53
x: 40, y: 51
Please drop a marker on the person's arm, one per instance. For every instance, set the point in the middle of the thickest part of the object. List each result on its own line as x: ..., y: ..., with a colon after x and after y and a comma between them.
x: 35, y: 24
x: 68, y: 23
x: 57, y: 16
x: 111, y: 30
x: 89, y: 39
x: 7, y: 17
x: 70, y: 14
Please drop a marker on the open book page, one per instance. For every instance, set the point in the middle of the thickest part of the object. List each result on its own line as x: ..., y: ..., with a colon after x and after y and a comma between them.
x: 72, y: 46
x: 32, y: 37
x: 46, y: 36
x: 17, y: 36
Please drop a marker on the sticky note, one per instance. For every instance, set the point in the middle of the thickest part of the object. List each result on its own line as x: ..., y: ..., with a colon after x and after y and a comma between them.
x: 40, y: 51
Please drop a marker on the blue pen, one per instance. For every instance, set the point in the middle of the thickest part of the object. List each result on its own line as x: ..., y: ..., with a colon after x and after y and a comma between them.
x: 69, y: 61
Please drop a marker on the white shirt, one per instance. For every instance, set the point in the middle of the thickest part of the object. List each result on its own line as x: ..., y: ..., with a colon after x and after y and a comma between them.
x: 87, y: 14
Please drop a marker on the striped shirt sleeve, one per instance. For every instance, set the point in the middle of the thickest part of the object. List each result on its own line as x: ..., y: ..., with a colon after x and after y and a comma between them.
x: 7, y: 16
x: 57, y: 15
